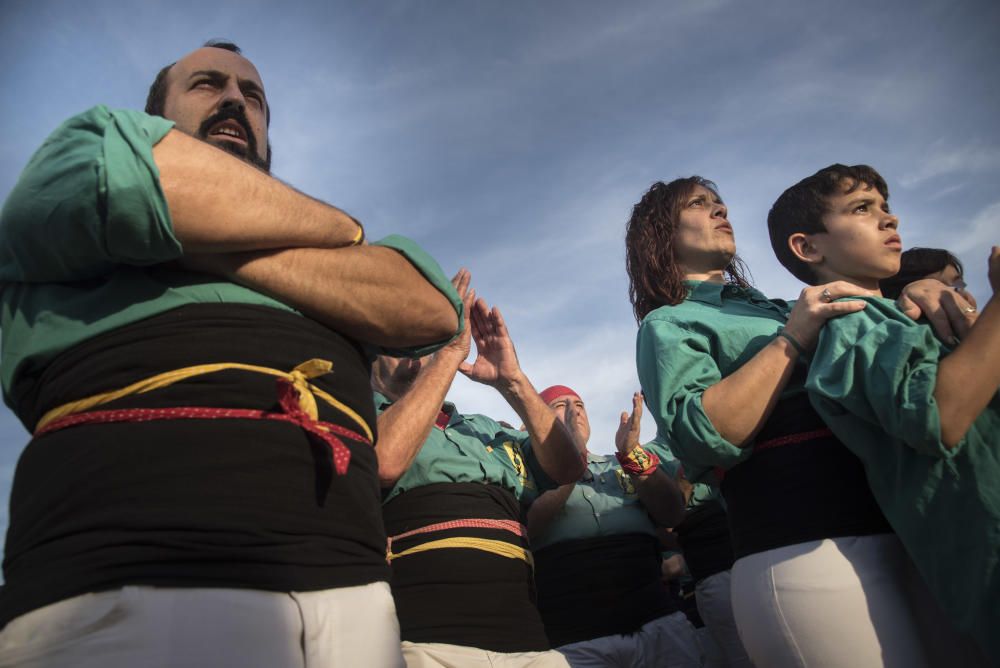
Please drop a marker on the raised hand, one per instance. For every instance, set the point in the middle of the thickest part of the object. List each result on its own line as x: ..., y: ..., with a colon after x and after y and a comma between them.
x: 461, y: 345
x: 496, y: 360
x: 627, y: 436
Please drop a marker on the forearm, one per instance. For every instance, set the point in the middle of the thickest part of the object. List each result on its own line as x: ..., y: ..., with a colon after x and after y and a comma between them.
x: 739, y: 405
x: 554, y: 447
x: 405, y: 425
x: 969, y: 377
x: 546, y: 507
x: 220, y: 204
x: 369, y: 293
x: 661, y: 497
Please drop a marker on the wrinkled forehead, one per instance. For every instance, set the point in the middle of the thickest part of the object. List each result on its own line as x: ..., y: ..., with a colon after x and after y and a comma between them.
x: 563, y: 398
x: 213, y: 59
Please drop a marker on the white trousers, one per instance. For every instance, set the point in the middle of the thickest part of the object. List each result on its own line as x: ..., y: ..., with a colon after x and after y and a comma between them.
x: 669, y: 641
x: 714, y: 601
x: 151, y: 627
x: 840, y: 602
x: 443, y: 655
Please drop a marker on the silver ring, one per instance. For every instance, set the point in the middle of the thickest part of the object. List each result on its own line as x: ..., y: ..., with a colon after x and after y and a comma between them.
x: 826, y: 296
x: 969, y: 309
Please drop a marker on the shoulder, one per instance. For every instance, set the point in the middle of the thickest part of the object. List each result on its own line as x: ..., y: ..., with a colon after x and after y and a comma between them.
x: 99, y: 117
x: 878, y: 312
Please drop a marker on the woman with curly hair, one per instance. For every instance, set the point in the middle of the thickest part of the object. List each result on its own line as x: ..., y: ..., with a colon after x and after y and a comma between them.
x: 722, y: 368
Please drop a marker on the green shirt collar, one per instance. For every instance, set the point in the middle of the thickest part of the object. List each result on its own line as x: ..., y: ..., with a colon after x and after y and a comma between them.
x: 710, y: 292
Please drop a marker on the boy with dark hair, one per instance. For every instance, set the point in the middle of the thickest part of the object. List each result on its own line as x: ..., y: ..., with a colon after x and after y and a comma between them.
x: 923, y: 418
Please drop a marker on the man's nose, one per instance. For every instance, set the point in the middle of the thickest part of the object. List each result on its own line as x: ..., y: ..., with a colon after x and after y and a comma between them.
x: 232, y: 96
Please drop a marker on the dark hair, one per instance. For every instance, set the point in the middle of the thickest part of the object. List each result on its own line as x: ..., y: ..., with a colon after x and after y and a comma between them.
x: 654, y: 275
x: 801, y: 209
x: 915, y: 264
x: 156, y: 99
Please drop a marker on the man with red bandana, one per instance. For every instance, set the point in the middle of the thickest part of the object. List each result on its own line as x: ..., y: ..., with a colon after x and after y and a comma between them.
x: 455, y: 485
x: 188, y: 341
x: 598, y: 556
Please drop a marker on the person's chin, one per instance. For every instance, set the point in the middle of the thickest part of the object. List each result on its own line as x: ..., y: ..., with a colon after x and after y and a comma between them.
x: 237, y: 149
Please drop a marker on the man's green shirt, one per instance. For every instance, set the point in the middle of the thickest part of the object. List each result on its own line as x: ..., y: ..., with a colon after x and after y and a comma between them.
x: 474, y: 448
x: 86, y: 244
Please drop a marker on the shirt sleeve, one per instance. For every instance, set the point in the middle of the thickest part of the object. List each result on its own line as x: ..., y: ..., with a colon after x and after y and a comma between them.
x: 431, y: 271
x: 875, y: 367
x: 89, y: 199
x: 675, y: 368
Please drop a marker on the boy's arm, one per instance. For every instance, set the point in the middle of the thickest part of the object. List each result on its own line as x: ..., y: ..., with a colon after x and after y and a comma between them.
x: 969, y: 377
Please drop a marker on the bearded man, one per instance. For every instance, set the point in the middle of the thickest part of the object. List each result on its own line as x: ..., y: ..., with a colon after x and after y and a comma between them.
x: 187, y: 339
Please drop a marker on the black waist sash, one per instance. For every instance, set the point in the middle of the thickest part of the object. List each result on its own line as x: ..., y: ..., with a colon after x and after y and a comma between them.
x: 705, y: 541
x: 596, y: 587
x: 800, y: 484
x: 235, y: 503
x: 462, y: 596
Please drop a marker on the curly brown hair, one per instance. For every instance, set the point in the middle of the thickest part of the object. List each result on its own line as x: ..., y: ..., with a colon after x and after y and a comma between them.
x: 654, y: 275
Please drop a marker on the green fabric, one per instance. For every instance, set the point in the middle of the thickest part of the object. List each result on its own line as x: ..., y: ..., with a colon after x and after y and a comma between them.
x: 604, y: 502
x: 83, y: 238
x: 473, y: 448
x: 683, y: 350
x: 872, y: 381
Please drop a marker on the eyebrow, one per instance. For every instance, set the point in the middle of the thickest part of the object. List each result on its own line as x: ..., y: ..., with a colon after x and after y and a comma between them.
x: 245, y: 84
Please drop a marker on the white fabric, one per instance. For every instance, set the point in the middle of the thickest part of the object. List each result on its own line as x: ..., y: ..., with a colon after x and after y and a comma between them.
x: 670, y: 642
x: 712, y: 596
x: 151, y: 627
x: 839, y: 602
x: 442, y: 655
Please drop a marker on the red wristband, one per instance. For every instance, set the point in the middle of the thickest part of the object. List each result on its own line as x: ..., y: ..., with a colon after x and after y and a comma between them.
x: 638, y: 461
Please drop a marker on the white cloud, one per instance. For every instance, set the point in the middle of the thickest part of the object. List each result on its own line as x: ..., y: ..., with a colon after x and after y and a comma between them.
x: 983, y: 231
x: 949, y: 161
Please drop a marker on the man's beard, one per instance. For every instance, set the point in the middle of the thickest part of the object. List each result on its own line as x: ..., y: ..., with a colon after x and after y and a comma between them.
x: 246, y: 153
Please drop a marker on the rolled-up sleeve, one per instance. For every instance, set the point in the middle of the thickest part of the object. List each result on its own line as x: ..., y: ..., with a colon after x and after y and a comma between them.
x: 431, y: 271
x: 875, y: 367
x: 675, y: 368
x: 89, y: 199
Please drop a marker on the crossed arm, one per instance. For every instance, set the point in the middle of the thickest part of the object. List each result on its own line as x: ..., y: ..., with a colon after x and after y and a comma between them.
x: 239, y: 223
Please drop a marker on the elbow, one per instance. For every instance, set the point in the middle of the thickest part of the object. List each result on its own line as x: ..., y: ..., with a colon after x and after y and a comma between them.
x: 390, y: 471
x: 443, y: 319
x: 388, y: 477
x: 952, y: 435
x: 954, y: 424
x: 431, y: 321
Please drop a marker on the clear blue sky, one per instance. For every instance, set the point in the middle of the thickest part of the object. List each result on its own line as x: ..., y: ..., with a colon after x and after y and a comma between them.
x: 514, y: 137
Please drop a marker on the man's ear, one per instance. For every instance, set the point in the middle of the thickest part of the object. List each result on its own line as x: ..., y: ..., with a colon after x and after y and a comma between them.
x: 804, y: 249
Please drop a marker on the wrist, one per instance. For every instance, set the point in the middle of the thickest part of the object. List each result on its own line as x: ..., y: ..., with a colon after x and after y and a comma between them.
x: 793, y: 343
x: 451, y: 356
x: 514, y: 386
